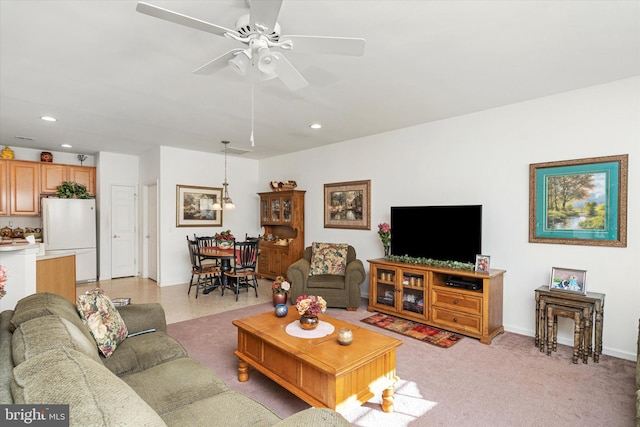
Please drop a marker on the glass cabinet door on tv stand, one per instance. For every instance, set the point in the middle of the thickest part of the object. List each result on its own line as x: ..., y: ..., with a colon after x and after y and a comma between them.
x: 413, y: 292
x: 385, y: 286
x: 402, y: 291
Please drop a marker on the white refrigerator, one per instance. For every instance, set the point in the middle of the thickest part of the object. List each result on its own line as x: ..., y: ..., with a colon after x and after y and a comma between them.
x: 69, y: 225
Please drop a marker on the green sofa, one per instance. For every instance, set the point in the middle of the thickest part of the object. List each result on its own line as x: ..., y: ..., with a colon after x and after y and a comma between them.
x: 338, y: 291
x: 48, y: 356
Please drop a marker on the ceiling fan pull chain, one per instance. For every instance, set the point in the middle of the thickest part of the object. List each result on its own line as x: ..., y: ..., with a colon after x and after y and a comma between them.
x: 253, y: 144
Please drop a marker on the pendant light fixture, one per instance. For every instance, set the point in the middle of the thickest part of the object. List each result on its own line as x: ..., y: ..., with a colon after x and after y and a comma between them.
x: 227, y: 203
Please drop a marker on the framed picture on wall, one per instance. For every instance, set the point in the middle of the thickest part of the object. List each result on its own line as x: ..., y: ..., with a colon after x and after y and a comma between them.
x: 194, y: 206
x: 579, y: 202
x: 348, y: 205
x: 568, y: 280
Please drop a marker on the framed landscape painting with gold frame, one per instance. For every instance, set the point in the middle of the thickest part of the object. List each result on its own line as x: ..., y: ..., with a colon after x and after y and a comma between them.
x: 579, y: 202
x: 193, y: 206
x: 348, y: 205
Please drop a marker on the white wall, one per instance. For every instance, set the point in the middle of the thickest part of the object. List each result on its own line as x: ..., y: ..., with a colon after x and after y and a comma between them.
x: 185, y: 167
x: 484, y: 158
x: 112, y: 169
x: 66, y: 158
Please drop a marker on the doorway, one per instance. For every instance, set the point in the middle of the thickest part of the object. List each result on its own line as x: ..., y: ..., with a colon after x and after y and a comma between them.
x: 150, y: 218
x: 123, y: 231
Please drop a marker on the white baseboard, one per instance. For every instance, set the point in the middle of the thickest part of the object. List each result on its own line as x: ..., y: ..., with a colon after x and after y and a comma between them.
x: 569, y: 342
x: 529, y: 333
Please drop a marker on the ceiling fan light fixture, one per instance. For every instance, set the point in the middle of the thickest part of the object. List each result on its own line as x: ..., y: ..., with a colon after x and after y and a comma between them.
x: 259, y: 30
x: 266, y: 64
x: 240, y: 63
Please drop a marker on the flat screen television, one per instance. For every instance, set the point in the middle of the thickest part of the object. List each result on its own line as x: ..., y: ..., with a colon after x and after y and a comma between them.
x: 445, y: 233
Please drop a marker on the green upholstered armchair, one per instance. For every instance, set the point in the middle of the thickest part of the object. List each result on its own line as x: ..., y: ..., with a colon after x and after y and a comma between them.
x: 338, y: 291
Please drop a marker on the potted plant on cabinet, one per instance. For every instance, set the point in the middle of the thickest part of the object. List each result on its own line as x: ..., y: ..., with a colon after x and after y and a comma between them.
x: 72, y: 190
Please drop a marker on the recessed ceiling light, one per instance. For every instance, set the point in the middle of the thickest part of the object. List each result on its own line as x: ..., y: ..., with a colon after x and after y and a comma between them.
x: 66, y: 145
x: 49, y: 119
x: 315, y: 126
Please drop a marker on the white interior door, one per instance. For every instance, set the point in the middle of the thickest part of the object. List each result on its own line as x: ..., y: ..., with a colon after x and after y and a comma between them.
x: 123, y: 231
x: 152, y: 232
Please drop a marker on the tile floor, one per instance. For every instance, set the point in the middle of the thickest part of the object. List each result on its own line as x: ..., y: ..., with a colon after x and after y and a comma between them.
x: 177, y: 304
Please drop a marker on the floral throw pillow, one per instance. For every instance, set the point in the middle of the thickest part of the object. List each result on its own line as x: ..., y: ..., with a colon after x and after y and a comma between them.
x: 102, y: 319
x: 328, y: 258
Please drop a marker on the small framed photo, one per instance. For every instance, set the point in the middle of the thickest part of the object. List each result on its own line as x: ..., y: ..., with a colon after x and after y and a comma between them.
x: 482, y: 263
x: 568, y: 280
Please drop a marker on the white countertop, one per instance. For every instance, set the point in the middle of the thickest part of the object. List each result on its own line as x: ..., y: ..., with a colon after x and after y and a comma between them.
x: 56, y: 254
x: 17, y: 246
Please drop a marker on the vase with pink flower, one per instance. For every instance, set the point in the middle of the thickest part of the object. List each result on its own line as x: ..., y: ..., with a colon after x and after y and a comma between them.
x: 384, y: 231
x: 309, y: 306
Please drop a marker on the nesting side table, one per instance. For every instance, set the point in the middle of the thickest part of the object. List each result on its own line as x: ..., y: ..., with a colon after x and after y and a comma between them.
x: 593, y: 305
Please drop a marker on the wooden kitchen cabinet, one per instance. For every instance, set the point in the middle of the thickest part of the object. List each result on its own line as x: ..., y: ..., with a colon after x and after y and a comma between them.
x: 4, y: 188
x: 52, y: 175
x: 85, y: 175
x: 282, y: 217
x: 24, y: 188
x: 22, y: 182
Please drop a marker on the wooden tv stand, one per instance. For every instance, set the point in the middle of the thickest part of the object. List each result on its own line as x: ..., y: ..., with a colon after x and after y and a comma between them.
x: 420, y: 293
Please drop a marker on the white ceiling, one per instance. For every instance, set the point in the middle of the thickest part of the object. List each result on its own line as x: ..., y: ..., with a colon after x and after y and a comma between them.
x: 121, y: 81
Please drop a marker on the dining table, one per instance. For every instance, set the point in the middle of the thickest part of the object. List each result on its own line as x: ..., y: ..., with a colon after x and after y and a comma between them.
x: 225, y: 255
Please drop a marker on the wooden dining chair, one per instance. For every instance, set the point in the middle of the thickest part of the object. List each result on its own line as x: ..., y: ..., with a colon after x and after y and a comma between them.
x: 203, y: 242
x: 202, y: 275
x: 243, y: 273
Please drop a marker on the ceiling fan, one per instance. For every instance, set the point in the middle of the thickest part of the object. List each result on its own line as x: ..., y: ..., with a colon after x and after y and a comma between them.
x: 259, y: 31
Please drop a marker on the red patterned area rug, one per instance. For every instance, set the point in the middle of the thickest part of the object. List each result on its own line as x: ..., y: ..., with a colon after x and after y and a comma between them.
x: 415, y: 330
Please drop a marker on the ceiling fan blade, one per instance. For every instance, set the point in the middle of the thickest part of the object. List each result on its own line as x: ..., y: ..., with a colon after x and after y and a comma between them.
x: 265, y: 14
x: 178, y: 18
x: 217, y: 64
x: 288, y: 74
x: 329, y: 45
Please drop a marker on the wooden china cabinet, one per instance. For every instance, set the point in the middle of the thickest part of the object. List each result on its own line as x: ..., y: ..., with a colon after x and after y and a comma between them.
x: 282, y: 217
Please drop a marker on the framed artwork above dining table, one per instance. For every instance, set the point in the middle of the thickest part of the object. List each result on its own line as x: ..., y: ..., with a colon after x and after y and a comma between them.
x: 194, y: 206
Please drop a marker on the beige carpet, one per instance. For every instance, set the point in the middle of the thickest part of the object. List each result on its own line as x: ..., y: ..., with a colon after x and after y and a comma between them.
x: 507, y: 383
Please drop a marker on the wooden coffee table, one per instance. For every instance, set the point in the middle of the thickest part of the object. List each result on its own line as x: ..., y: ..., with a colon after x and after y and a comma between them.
x: 319, y: 371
